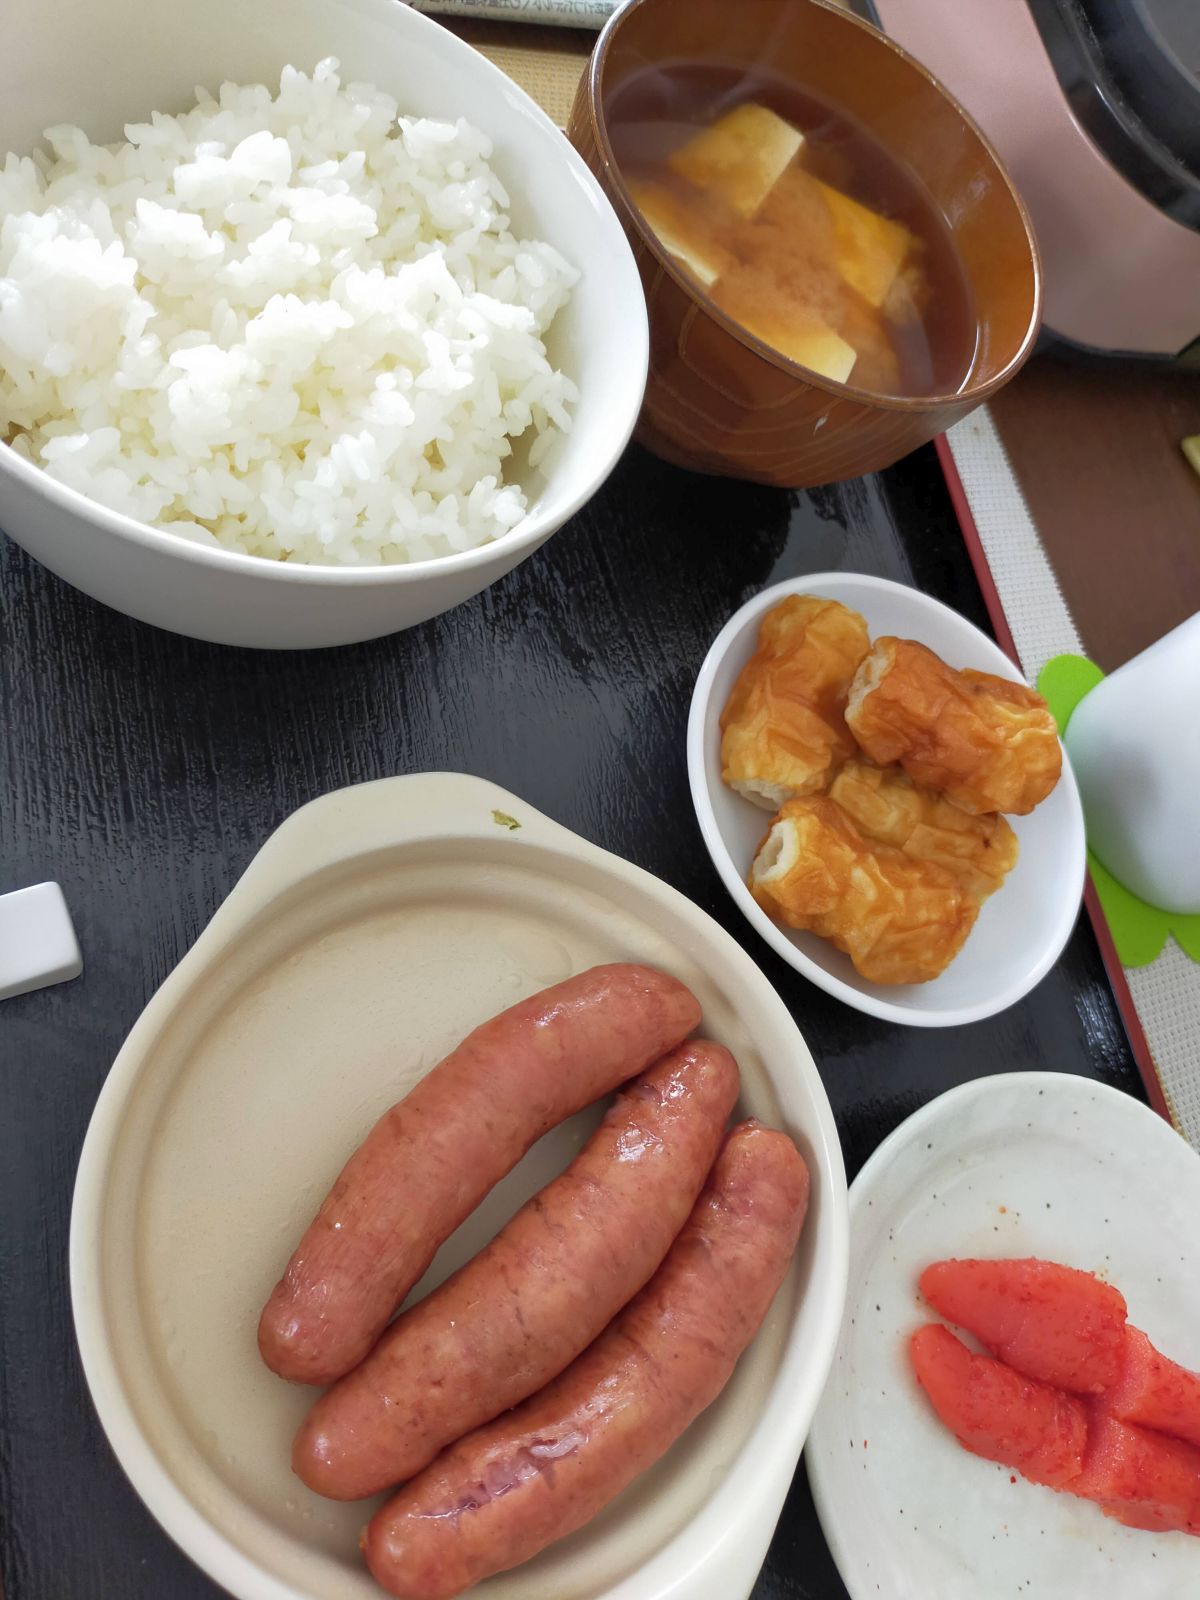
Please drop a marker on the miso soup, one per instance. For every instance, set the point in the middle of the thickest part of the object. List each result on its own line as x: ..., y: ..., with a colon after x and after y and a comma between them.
x: 799, y: 225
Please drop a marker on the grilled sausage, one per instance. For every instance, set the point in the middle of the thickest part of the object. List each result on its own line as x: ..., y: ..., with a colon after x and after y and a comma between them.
x: 428, y: 1161
x: 506, y: 1491
x: 511, y: 1319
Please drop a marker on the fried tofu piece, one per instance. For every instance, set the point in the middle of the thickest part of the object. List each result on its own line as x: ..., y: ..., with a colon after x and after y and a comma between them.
x: 801, y: 338
x: 740, y: 157
x: 877, y: 366
x: 885, y: 805
x: 746, y: 187
x: 783, y: 732
x: 986, y: 743
x: 899, y: 920
x: 701, y: 241
x: 870, y: 249
x: 784, y: 286
x: 681, y: 231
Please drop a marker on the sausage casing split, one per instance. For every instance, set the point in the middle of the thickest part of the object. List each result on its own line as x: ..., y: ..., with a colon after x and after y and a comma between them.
x: 508, y: 1490
x: 431, y: 1158
x: 552, y: 1279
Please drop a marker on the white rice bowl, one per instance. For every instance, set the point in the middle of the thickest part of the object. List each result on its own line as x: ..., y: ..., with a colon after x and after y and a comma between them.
x: 295, y: 326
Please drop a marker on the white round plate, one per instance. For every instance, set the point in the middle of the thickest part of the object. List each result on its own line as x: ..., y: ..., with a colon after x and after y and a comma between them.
x: 1026, y: 1164
x: 1021, y: 930
x: 370, y: 933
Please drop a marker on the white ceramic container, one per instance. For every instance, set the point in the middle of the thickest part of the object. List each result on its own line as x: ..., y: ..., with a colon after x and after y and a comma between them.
x: 1021, y: 929
x: 1134, y: 742
x: 103, y: 66
x: 372, y: 931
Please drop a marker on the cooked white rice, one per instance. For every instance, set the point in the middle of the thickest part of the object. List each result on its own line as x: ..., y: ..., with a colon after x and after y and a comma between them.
x: 295, y: 326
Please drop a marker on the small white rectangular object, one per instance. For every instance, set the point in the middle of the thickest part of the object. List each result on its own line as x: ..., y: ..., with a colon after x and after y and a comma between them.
x: 37, y: 940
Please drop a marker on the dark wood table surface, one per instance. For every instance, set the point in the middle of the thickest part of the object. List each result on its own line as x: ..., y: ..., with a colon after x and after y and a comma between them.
x: 142, y: 771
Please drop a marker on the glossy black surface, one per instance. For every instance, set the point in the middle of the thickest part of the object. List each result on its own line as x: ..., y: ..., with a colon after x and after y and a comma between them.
x: 142, y: 771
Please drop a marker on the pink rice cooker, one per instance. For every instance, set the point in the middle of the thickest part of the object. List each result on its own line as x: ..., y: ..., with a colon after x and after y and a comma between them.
x: 1094, y: 107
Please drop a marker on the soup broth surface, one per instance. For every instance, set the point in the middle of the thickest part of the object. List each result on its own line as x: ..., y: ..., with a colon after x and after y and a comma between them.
x: 799, y: 225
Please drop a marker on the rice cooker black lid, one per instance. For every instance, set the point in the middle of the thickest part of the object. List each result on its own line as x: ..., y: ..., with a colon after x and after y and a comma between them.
x: 1131, y: 71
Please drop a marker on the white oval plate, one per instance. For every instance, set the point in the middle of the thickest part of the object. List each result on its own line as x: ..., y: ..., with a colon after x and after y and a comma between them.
x: 373, y: 930
x: 1026, y: 1164
x: 1021, y: 930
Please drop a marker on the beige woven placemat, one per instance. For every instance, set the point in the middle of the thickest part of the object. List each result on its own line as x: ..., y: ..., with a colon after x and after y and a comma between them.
x: 546, y: 62
x: 1166, y: 994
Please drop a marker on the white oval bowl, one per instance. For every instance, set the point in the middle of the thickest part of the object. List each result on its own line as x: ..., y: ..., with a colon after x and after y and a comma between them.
x: 103, y: 66
x: 374, y: 929
x: 1021, y: 929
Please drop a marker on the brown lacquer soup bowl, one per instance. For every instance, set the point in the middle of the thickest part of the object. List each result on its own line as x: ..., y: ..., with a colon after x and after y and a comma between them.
x: 721, y: 400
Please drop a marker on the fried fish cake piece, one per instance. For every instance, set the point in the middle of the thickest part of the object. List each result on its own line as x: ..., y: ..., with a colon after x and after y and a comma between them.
x: 885, y: 805
x: 986, y: 743
x: 783, y: 729
x: 899, y: 920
